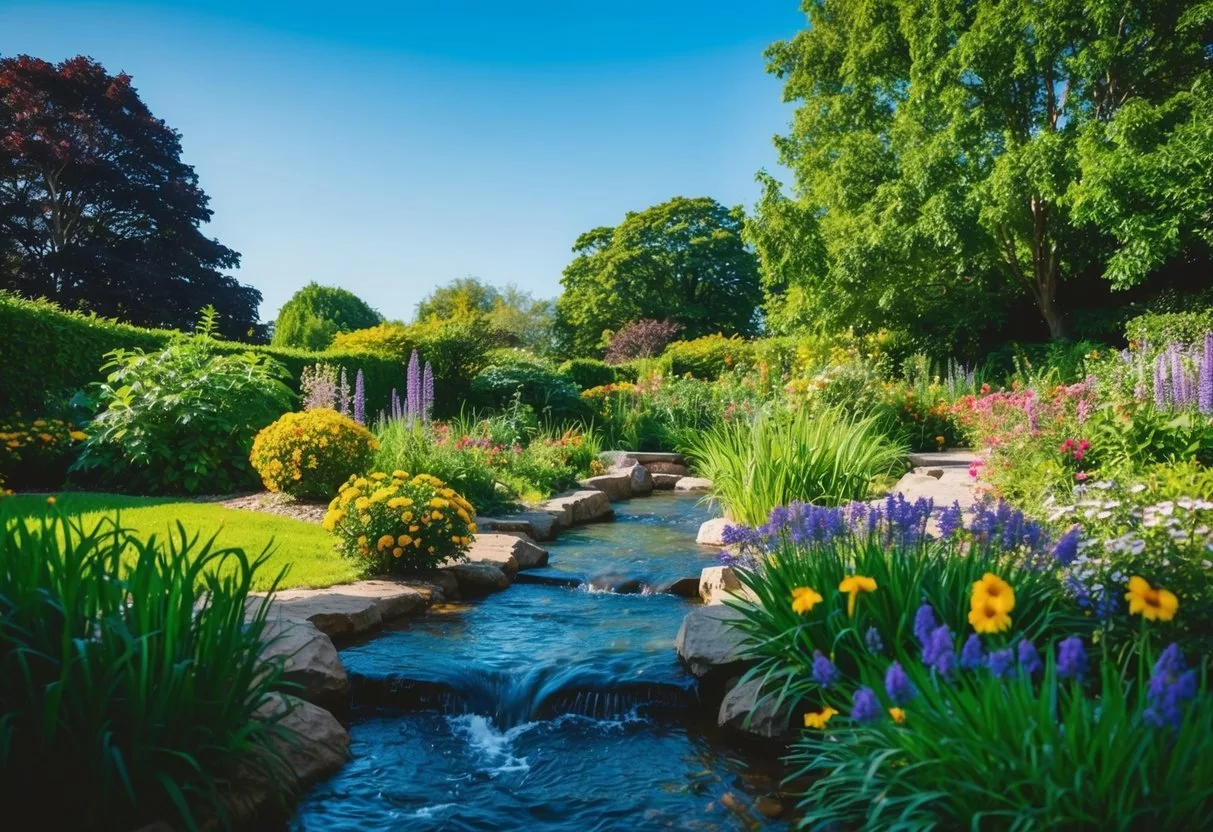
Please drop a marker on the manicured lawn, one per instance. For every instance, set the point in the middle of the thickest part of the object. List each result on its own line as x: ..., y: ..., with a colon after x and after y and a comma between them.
x: 304, y: 548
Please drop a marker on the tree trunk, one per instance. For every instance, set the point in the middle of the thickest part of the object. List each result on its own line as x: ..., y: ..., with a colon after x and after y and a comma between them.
x: 1052, y: 314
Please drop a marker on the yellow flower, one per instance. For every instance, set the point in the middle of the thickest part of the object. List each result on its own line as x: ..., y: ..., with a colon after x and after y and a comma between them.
x: 397, y: 552
x: 988, y: 617
x: 436, y: 515
x: 379, y: 475
x: 50, y: 501
x: 818, y: 720
x: 414, y: 528
x: 1152, y: 604
x: 852, y: 585
x: 362, y: 540
x: 804, y: 599
x: 899, y: 716
x: 438, y: 502
x: 995, y: 590
x: 386, y: 541
x: 78, y: 435
x: 362, y: 503
x: 404, y: 540
x: 364, y: 519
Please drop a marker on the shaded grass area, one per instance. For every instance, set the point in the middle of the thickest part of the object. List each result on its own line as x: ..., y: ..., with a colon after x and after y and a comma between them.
x: 304, y: 549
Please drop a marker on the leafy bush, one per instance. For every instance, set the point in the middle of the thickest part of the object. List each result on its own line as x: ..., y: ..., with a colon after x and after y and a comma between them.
x: 36, y: 454
x: 548, y: 392
x: 588, y: 372
x: 779, y: 458
x: 315, y: 314
x: 469, y: 468
x: 1155, y: 329
x: 641, y: 339
x: 707, y: 358
x: 182, y: 419
x: 310, y: 454
x: 393, y: 524
x: 128, y: 669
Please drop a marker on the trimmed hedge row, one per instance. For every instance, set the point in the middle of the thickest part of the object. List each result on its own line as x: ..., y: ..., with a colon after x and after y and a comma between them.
x: 49, y: 354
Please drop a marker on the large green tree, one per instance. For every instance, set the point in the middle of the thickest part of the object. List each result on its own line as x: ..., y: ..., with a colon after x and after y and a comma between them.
x: 315, y: 314
x: 683, y: 260
x: 512, y: 312
x: 946, y: 152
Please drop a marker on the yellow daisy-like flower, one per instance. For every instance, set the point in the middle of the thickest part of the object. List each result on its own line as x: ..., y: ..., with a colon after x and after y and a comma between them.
x: 386, y: 541
x: 414, y: 528
x: 852, y: 585
x: 1152, y: 604
x: 804, y: 599
x: 404, y: 540
x: 988, y: 617
x: 995, y: 590
x: 898, y: 715
x: 362, y: 503
x: 362, y: 540
x: 379, y: 475
x: 78, y: 435
x: 819, y: 720
x: 436, y: 515
x: 397, y: 552
x: 400, y: 475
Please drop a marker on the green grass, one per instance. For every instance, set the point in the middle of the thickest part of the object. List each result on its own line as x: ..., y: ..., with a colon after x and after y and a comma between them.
x: 304, y: 548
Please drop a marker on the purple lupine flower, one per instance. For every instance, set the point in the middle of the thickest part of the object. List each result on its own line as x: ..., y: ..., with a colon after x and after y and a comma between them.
x: 824, y: 671
x: 1071, y: 658
x: 971, y: 655
x: 1171, y: 685
x: 360, y: 399
x: 1179, y: 393
x: 343, y: 395
x: 412, y: 387
x: 939, y: 653
x: 1029, y: 659
x: 897, y: 684
x: 924, y: 624
x: 865, y: 707
x: 427, y: 392
x: 740, y: 535
x: 1067, y: 547
x: 397, y: 410
x: 1204, y: 384
x: 873, y: 642
x: 1001, y: 663
x: 1160, y: 382
x: 950, y: 521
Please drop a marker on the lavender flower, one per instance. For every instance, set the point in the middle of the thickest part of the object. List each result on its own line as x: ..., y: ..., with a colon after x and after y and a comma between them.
x: 824, y: 671
x: 939, y: 652
x: 1067, y: 547
x: 1204, y: 384
x: 1179, y: 392
x: 360, y: 399
x: 924, y: 624
x: 412, y: 387
x: 427, y: 393
x: 865, y: 707
x: 872, y: 639
x: 897, y: 684
x: 1001, y: 663
x: 1161, y: 393
x: 1071, y: 658
x: 971, y: 655
x: 1029, y: 659
x: 950, y: 520
x: 1171, y: 685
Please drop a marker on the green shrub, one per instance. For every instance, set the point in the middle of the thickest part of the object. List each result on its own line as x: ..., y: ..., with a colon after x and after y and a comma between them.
x: 36, y: 454
x: 182, y: 419
x: 709, y: 357
x: 472, y: 471
x: 128, y: 669
x: 1157, y: 329
x: 315, y: 314
x: 551, y: 394
x: 775, y: 459
x: 588, y: 372
x: 310, y: 454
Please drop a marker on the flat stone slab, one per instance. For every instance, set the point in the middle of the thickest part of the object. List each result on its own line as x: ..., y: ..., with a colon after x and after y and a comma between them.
x: 666, y: 482
x: 711, y: 532
x: 617, y: 485
x: 578, y: 507
x: 479, y: 579
x: 645, y: 457
x: 507, y: 552
x: 943, y: 459
x: 953, y: 485
x: 707, y: 643
x: 693, y: 484
x: 668, y: 468
x: 351, y: 609
x: 309, y: 660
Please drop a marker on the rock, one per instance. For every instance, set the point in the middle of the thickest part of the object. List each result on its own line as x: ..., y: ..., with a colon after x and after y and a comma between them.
x: 350, y: 609
x: 733, y: 803
x: 943, y: 459
x: 711, y: 533
x: 529, y: 555
x: 578, y: 507
x: 566, y: 581
x: 617, y: 459
x: 642, y: 480
x: 507, y: 552
x: 665, y: 482
x: 716, y: 583
x: 746, y: 711
x: 683, y: 587
x: 478, y: 579
x: 693, y: 484
x: 617, y: 485
x: 667, y: 468
x: 708, y: 643
x: 645, y: 457
x: 443, y: 581
x: 770, y: 807
x: 618, y: 584
x: 320, y: 746
x: 544, y: 526
x: 309, y: 660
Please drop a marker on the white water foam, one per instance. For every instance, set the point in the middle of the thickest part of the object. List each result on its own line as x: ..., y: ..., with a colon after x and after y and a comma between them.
x: 495, y: 747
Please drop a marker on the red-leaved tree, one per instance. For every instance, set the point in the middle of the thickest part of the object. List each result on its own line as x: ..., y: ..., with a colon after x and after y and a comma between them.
x: 641, y: 339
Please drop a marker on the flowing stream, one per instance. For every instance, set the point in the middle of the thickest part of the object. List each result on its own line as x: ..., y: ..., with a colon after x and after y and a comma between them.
x: 549, y: 706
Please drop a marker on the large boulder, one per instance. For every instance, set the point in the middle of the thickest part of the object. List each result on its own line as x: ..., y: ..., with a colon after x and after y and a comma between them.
x: 711, y: 532
x: 642, y: 480
x: 319, y: 745
x: 665, y: 482
x: 693, y: 484
x: 745, y: 710
x: 716, y: 583
x: 668, y: 468
x: 309, y: 660
x: 682, y: 587
x: 507, y: 552
x: 479, y: 579
x: 352, y: 609
x: 578, y: 507
x: 617, y: 485
x: 709, y: 644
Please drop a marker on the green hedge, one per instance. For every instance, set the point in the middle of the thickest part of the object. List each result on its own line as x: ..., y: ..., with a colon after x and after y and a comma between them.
x: 1158, y: 329
x: 589, y: 372
x: 709, y: 357
x: 49, y: 354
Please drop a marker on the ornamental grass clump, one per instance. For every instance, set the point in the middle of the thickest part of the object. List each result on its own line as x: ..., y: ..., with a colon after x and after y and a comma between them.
x: 310, y: 454
x: 396, y: 523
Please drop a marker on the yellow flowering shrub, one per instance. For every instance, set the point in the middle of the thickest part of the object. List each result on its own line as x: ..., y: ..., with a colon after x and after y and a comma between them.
x: 398, y: 523
x: 311, y: 453
x: 36, y: 454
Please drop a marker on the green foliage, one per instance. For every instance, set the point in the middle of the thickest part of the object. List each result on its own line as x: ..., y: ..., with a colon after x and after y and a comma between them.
x: 683, y: 260
x: 130, y: 668
x: 1157, y: 329
x: 413, y: 446
x: 182, y: 419
x: 36, y: 454
x: 315, y: 314
x: 548, y: 392
x: 520, y: 318
x: 826, y: 458
x: 463, y: 297
x: 310, y: 454
x: 588, y: 372
x: 707, y: 358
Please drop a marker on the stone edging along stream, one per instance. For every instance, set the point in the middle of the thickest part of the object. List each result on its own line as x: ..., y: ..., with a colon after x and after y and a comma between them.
x: 302, y: 624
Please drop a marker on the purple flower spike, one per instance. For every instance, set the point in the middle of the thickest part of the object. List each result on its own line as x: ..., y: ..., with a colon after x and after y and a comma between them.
x: 924, y: 624
x: 865, y: 707
x: 1001, y: 663
x: 873, y: 641
x: 939, y: 653
x: 360, y: 399
x: 971, y: 655
x: 1171, y: 685
x: 1071, y: 658
x: 897, y: 684
x: 1029, y: 659
x: 824, y: 671
x: 427, y: 393
x: 1067, y: 547
x: 1204, y: 384
x: 412, y: 387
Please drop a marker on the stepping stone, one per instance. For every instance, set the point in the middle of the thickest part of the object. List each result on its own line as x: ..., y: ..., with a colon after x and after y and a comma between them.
x: 958, y: 458
x: 617, y: 485
x: 668, y: 468
x: 645, y: 457
x: 666, y: 482
x: 709, y: 645
x: 351, y: 609
x: 507, y: 552
x: 578, y: 507
x: 693, y: 484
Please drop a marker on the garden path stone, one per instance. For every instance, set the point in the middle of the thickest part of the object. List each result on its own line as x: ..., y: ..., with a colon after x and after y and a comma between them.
x: 958, y: 458
x: 644, y: 457
x: 479, y: 579
x: 617, y: 485
x: 693, y: 484
x: 708, y: 644
x: 351, y: 609
x: 744, y: 710
x: 309, y: 660
x: 537, y: 524
x: 577, y: 507
x: 711, y: 532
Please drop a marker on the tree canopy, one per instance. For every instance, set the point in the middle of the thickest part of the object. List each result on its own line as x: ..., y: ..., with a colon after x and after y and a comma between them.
x: 97, y: 210
x: 951, y: 154
x: 315, y: 314
x: 683, y: 260
x: 516, y: 314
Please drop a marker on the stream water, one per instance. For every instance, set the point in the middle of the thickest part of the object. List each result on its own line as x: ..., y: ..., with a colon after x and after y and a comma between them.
x: 545, y: 707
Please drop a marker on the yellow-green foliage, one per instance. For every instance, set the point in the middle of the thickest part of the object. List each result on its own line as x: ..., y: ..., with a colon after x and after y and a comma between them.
x: 708, y: 357
x: 36, y: 453
x: 310, y: 454
x: 395, y: 523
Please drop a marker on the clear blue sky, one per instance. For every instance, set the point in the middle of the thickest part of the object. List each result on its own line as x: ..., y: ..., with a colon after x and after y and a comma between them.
x: 389, y: 147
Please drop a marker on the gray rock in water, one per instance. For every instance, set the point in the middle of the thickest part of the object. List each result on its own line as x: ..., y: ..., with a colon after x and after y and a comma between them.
x: 744, y: 710
x: 619, y: 584
x: 708, y: 643
x: 478, y: 579
x: 711, y: 533
x: 717, y: 583
x: 668, y: 468
x: 683, y: 587
x: 351, y: 609
x: 617, y: 485
x: 577, y: 507
x: 693, y: 484
x: 665, y: 482
x: 642, y: 480
x: 320, y: 745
